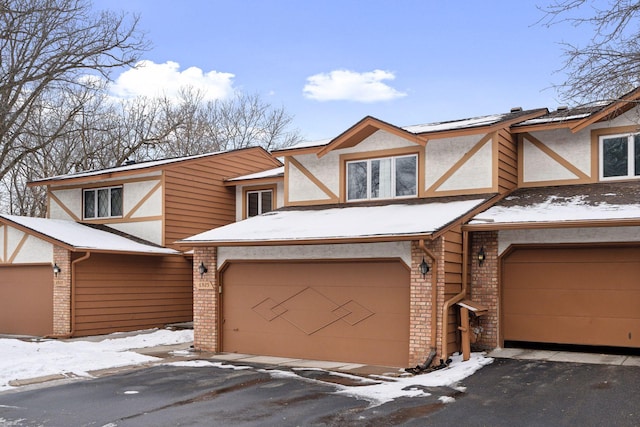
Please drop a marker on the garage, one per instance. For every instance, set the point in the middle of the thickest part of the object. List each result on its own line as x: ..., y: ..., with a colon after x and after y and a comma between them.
x: 349, y: 311
x: 26, y: 299
x: 572, y: 295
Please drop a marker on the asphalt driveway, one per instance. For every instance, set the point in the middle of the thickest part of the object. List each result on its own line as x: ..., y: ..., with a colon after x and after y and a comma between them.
x: 505, y: 393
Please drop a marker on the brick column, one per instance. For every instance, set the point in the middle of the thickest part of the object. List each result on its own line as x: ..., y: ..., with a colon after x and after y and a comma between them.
x: 485, y: 288
x: 62, y: 292
x: 205, y: 300
x: 421, y: 305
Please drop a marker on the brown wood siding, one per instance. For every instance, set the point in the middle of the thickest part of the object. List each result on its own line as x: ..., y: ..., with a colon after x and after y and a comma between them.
x: 195, y: 199
x: 572, y: 295
x: 127, y: 292
x: 507, y: 161
x: 26, y: 299
x: 453, y: 281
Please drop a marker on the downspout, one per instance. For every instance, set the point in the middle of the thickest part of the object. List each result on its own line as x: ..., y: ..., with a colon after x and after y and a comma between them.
x: 73, y: 297
x: 434, y: 305
x: 458, y: 297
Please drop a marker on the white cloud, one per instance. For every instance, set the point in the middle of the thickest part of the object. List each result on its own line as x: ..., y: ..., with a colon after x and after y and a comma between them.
x: 150, y: 79
x: 345, y: 85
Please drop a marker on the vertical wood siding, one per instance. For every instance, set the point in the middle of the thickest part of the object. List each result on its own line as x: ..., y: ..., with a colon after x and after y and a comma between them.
x: 196, y: 199
x: 453, y: 281
x: 117, y: 292
x: 507, y: 161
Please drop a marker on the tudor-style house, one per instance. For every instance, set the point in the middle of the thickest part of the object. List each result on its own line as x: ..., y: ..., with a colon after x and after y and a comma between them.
x: 104, y: 259
x: 390, y: 245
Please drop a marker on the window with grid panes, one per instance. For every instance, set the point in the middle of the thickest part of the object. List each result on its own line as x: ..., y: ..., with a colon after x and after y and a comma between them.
x: 102, y: 202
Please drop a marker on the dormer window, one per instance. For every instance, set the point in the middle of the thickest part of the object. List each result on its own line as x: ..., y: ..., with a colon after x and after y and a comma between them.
x: 382, y: 178
x: 103, y: 202
x: 619, y: 156
x: 258, y: 200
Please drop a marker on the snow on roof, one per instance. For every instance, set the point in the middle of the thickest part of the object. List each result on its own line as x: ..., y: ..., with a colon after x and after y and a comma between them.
x: 456, y: 124
x: 556, y: 119
x: 84, y: 237
x: 565, y: 114
x: 309, y: 144
x: 340, y: 223
x: 557, y: 209
x: 129, y: 167
x: 271, y: 173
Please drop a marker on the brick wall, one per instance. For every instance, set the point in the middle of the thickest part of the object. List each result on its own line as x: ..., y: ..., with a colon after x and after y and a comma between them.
x: 484, y: 287
x: 62, y: 292
x: 205, y: 300
x: 421, y: 305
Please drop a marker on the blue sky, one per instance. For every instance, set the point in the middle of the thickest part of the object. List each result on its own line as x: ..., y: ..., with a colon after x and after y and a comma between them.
x: 331, y: 63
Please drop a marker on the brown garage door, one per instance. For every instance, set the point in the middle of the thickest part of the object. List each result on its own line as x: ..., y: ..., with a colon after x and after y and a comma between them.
x: 26, y: 299
x: 342, y: 311
x: 587, y: 296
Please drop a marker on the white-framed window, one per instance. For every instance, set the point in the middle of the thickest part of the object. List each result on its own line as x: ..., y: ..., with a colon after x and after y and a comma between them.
x: 619, y: 156
x: 382, y: 178
x: 102, y: 202
x: 259, y: 202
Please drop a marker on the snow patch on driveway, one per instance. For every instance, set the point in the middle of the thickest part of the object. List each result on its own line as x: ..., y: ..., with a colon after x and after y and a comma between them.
x: 393, y: 388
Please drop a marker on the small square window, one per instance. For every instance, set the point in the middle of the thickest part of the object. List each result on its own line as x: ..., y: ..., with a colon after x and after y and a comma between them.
x: 259, y: 202
x: 102, y: 203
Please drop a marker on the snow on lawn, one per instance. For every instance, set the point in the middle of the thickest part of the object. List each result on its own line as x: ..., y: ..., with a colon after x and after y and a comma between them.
x: 23, y: 360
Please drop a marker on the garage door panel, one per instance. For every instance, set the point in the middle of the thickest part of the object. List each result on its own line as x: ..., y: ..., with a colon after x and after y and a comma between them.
x: 573, y: 330
x: 613, y: 303
x: 587, y: 296
x: 574, y: 254
x: 321, y: 348
x: 344, y: 311
x: 572, y: 276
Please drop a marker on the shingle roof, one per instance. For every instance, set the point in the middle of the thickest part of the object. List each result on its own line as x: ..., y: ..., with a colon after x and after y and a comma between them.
x: 561, y: 204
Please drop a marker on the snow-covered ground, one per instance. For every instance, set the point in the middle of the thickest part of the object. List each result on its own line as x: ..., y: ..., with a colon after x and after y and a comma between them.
x: 23, y: 360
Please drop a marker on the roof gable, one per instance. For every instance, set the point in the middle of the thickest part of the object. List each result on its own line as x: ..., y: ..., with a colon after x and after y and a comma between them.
x: 610, y: 111
x: 578, y: 118
x: 364, y: 129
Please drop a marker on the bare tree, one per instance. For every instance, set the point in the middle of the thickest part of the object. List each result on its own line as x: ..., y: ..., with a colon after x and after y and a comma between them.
x: 56, y: 116
x: 609, y: 65
x: 197, y: 126
x: 47, y: 48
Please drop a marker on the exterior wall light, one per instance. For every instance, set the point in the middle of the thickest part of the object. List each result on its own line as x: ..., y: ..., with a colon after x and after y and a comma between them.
x: 202, y: 269
x: 481, y: 256
x: 424, y: 268
x: 56, y: 269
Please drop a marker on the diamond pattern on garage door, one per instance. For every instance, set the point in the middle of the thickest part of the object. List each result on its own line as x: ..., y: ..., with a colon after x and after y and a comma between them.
x: 295, y: 310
